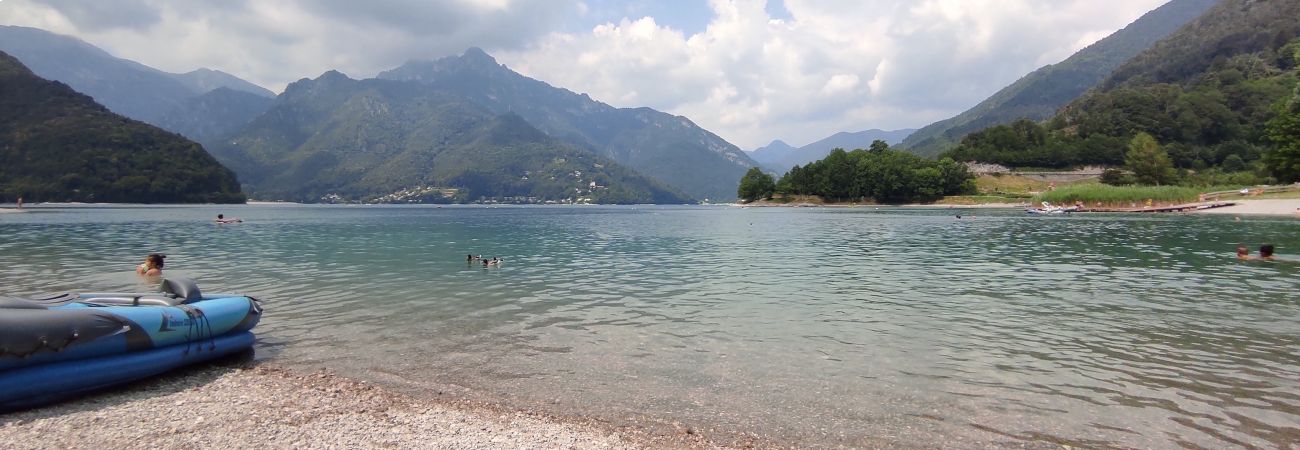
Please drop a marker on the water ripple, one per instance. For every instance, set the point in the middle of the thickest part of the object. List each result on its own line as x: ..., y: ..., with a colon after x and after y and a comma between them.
x: 826, y: 327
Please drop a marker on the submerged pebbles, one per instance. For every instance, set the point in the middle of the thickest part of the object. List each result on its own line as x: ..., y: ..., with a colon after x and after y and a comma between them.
x: 267, y: 407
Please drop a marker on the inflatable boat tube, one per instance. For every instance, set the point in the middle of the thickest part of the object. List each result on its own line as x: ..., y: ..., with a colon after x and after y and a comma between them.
x: 73, y: 327
x: 27, y: 387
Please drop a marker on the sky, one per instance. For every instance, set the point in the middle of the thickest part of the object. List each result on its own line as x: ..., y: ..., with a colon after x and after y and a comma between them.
x: 750, y: 71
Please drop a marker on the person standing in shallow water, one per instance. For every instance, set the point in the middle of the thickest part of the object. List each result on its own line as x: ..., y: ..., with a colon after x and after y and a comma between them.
x: 152, y: 265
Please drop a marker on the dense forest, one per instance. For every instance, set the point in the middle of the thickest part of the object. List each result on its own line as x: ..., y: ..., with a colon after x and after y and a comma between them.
x: 879, y: 174
x: 1215, y: 95
x: 59, y: 145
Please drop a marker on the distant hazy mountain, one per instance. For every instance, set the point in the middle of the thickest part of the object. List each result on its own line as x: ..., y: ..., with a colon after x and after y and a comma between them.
x: 366, y: 139
x: 779, y: 157
x: 773, y: 152
x: 669, y: 148
x: 215, y: 115
x: 207, y: 80
x: 1040, y: 94
x: 125, y: 87
x: 59, y: 145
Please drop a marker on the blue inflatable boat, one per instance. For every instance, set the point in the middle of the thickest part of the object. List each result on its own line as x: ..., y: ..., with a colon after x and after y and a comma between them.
x: 59, y: 347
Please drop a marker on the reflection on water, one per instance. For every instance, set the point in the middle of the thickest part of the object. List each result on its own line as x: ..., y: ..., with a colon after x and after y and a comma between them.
x: 824, y: 327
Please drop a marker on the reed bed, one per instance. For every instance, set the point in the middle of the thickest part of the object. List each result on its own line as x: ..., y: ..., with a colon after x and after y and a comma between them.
x: 1092, y: 194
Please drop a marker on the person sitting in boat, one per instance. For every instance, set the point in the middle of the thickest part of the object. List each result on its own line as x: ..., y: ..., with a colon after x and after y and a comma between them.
x: 152, y: 265
x: 221, y: 218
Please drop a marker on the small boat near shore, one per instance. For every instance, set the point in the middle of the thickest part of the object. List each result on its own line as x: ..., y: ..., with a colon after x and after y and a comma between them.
x: 1049, y: 208
x: 62, y: 346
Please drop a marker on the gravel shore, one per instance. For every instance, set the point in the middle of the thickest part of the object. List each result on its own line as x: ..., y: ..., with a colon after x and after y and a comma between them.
x: 223, y: 406
x: 1275, y: 207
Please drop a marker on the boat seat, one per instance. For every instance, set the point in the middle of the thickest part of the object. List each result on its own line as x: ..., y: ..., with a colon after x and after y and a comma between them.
x: 185, y: 288
x: 130, y: 300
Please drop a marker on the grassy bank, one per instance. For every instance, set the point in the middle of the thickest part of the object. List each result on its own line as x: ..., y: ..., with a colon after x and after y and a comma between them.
x: 1093, y: 194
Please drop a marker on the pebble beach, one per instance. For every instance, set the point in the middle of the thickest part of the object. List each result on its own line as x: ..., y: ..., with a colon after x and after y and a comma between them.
x: 1270, y: 207
x: 264, y: 407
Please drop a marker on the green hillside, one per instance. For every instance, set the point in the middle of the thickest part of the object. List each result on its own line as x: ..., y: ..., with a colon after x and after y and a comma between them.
x: 59, y: 145
x: 381, y: 140
x: 668, y: 148
x: 1211, y: 95
x: 1043, y: 92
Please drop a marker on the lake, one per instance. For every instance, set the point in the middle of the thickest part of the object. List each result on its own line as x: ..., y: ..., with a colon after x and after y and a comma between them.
x: 811, y: 326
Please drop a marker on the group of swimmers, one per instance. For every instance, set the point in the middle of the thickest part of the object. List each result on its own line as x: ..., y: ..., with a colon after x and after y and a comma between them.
x: 1265, y: 253
x: 495, y: 261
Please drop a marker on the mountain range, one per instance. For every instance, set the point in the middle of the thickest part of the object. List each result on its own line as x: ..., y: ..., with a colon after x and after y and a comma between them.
x: 681, y: 160
x: 1040, y: 94
x: 665, y: 147
x: 334, y: 136
x: 779, y: 156
x: 126, y: 87
x: 59, y: 145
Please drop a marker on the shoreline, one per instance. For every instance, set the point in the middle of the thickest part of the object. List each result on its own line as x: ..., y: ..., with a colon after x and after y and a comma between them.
x: 1248, y: 207
x: 1259, y: 207
x: 261, y: 405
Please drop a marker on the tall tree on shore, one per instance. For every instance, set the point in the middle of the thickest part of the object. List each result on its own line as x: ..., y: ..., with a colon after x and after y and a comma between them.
x: 1283, y: 161
x: 1149, y: 162
x: 755, y: 185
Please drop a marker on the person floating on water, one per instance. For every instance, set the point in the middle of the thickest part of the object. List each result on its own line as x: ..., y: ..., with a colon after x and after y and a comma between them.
x: 221, y: 218
x: 152, y: 265
x: 1243, y: 253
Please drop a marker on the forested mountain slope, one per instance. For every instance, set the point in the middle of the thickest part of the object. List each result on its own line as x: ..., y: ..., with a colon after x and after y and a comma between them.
x: 1208, y: 94
x: 381, y: 140
x: 669, y: 148
x: 59, y: 145
x: 1043, y: 92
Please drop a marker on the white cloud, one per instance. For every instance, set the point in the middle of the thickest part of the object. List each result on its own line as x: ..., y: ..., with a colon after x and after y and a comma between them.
x: 827, y: 66
x: 273, y: 43
x: 833, y: 66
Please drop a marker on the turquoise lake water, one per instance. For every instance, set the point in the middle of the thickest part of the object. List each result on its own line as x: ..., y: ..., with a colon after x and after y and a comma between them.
x: 818, y: 327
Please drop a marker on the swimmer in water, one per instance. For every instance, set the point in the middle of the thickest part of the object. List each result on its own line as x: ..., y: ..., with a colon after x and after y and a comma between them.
x: 221, y: 218
x: 1243, y: 253
x: 1266, y: 252
x: 152, y: 265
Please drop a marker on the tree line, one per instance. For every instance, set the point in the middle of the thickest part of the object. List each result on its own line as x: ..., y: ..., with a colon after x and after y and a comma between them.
x: 878, y: 174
